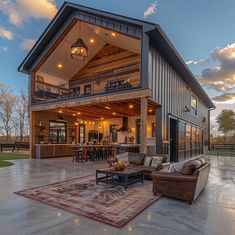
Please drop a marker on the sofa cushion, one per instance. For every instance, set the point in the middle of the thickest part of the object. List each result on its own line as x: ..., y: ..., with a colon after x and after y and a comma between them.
x: 190, y: 166
x: 202, y: 160
x: 148, y: 161
x: 156, y: 161
x: 123, y: 157
x: 176, y: 167
x: 136, y: 158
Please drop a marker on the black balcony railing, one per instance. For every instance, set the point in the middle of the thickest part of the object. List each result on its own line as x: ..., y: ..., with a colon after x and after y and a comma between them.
x: 76, y: 90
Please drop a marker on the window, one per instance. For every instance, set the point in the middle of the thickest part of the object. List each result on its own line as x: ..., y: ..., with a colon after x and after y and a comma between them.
x: 57, y: 132
x: 113, y: 132
x: 193, y: 105
x: 82, y: 134
x: 87, y: 89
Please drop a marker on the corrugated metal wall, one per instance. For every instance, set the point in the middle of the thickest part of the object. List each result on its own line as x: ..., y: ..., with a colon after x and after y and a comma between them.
x: 171, y: 92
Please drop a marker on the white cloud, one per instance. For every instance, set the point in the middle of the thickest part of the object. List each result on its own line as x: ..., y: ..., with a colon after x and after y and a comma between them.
x: 197, y: 62
x: 152, y: 9
x: 19, y: 11
x: 6, y: 34
x: 3, y: 48
x: 27, y: 44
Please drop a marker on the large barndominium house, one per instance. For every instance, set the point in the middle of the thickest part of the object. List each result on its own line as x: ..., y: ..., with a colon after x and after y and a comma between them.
x: 99, y: 77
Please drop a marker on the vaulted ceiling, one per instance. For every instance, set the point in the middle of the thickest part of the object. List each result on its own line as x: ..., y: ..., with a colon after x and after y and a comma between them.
x: 100, y: 36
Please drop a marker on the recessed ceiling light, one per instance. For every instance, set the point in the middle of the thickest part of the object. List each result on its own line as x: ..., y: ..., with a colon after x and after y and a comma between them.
x: 150, y: 110
x: 59, y: 66
x: 131, y: 106
x: 114, y: 113
x: 92, y: 40
x: 113, y: 34
x: 78, y: 113
x: 74, y: 114
x: 60, y: 111
x: 102, y: 118
x: 107, y: 107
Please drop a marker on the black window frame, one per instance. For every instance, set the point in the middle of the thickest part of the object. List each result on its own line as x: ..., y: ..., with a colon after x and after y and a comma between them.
x: 85, y: 89
x: 57, y: 132
x: 194, y: 110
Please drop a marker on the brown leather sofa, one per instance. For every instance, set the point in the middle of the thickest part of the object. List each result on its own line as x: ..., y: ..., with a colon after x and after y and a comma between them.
x: 185, y: 181
x: 137, y: 160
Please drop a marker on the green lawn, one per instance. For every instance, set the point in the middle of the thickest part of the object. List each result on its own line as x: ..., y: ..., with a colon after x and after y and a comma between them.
x: 11, y: 156
x: 222, y: 153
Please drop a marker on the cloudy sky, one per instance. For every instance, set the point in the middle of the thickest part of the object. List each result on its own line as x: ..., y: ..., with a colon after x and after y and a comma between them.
x: 201, y: 30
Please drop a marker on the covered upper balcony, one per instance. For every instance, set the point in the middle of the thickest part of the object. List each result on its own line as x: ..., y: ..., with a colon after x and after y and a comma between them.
x: 111, y: 66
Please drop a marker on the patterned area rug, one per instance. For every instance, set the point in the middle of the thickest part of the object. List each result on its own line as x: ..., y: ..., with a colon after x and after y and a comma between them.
x: 105, y: 203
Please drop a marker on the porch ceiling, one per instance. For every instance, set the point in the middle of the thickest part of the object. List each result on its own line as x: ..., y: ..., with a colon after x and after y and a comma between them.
x: 109, y: 110
x: 101, y: 37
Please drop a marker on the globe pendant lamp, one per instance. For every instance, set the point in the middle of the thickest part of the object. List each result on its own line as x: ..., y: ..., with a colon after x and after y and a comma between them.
x: 79, y: 50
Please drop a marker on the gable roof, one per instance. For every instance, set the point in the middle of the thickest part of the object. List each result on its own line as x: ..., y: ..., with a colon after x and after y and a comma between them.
x: 157, y: 36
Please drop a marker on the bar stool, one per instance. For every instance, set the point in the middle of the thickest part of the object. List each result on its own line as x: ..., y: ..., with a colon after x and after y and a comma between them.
x: 78, y: 155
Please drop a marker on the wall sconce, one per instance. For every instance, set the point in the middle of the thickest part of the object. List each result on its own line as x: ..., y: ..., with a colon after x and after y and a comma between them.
x: 186, y: 108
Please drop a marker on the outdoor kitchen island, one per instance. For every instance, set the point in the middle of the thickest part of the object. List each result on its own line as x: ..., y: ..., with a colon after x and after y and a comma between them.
x: 67, y: 150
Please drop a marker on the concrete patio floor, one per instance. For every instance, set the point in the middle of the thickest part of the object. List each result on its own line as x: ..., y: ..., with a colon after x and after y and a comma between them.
x: 213, y: 212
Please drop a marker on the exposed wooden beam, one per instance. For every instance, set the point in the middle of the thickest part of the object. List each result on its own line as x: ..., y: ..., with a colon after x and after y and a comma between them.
x: 105, y: 98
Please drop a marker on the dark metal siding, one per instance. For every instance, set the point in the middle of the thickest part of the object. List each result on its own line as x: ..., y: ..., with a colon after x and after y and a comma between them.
x: 171, y: 92
x: 109, y: 24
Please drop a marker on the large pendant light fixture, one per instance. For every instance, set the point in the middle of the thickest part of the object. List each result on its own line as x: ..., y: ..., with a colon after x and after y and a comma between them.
x: 79, y: 50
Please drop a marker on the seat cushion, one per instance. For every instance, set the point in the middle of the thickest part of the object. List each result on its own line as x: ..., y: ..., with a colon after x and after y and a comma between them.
x: 190, y: 166
x: 136, y: 158
x: 146, y: 168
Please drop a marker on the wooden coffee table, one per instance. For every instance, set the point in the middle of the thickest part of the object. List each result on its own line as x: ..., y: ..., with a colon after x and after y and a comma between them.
x: 124, y: 178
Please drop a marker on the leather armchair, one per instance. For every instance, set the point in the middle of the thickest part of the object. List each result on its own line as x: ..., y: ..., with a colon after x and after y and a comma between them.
x: 185, y: 187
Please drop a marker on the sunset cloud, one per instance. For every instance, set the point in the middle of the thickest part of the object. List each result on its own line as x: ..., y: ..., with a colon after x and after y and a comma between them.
x: 21, y: 10
x: 152, y: 9
x: 27, y: 44
x: 222, y: 77
x: 6, y: 34
x: 197, y: 62
x: 225, y: 98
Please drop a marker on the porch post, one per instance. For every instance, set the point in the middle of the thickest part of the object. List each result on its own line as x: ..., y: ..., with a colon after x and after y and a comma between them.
x: 159, y: 142
x: 32, y: 134
x: 143, y: 129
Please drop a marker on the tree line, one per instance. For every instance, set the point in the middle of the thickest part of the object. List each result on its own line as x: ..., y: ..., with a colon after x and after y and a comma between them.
x: 14, y: 115
x: 226, y: 126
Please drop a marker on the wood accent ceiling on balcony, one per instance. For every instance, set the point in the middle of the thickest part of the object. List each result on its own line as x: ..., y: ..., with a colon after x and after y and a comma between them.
x: 129, y: 108
x: 109, y: 59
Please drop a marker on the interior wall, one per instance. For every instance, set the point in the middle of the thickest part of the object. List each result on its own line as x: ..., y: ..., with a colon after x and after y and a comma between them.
x: 102, y: 126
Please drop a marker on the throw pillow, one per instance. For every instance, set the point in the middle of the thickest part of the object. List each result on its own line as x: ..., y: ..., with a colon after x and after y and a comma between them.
x: 202, y: 160
x: 156, y: 161
x: 147, y: 161
x: 190, y: 166
x: 123, y: 157
x: 176, y: 167
x: 136, y: 158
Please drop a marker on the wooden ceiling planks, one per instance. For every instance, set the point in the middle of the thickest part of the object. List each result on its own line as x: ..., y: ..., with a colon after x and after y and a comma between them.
x: 129, y: 108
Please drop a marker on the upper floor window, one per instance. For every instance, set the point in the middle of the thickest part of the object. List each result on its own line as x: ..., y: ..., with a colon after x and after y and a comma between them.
x: 193, y: 105
x: 87, y: 89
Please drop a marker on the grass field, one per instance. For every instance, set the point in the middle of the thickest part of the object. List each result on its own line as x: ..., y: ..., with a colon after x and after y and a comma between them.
x: 4, y: 157
x: 223, y: 153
